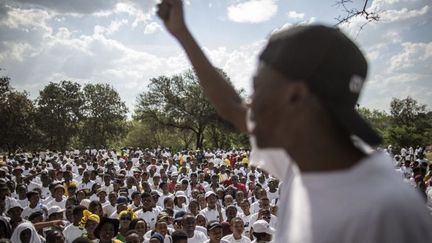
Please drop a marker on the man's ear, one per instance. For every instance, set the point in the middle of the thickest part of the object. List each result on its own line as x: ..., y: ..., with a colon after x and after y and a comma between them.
x: 296, y: 94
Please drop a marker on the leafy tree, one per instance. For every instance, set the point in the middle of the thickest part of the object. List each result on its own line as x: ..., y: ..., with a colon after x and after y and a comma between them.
x: 379, y: 120
x: 59, y: 113
x: 408, y: 124
x: 411, y: 123
x: 147, y: 134
x: 406, y: 111
x: 178, y: 102
x: 17, y: 127
x: 104, y: 115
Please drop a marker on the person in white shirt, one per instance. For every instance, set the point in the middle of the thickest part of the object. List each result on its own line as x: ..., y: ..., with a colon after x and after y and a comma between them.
x: 264, y: 213
x: 148, y: 213
x: 215, y: 232
x: 34, y: 205
x: 246, y: 216
x: 58, y: 200
x: 86, y: 183
x: 107, y: 185
x: 73, y: 231
x: 165, y: 193
x: 188, y: 225
x: 273, y: 191
x: 237, y: 227
x: 262, y: 231
x: 110, y: 208
x: 213, y: 211
x: 306, y: 131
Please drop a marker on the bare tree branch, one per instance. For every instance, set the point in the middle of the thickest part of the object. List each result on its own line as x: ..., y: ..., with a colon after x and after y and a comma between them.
x: 351, y: 12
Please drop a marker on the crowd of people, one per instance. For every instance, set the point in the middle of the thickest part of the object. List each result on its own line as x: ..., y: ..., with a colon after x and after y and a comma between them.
x: 415, y: 169
x: 134, y: 195
x: 151, y: 195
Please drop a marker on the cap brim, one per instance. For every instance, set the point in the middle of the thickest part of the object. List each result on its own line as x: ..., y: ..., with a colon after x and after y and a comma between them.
x: 270, y: 230
x: 353, y: 123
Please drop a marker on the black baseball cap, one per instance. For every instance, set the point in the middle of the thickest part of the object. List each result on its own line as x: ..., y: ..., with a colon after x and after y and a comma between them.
x: 332, y: 66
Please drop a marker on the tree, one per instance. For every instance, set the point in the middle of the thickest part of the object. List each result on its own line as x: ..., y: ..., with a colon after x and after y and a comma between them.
x: 59, y: 112
x: 17, y: 126
x: 104, y: 115
x: 178, y: 102
x: 411, y: 123
x: 379, y: 120
x: 350, y: 12
x: 406, y: 111
x: 148, y: 134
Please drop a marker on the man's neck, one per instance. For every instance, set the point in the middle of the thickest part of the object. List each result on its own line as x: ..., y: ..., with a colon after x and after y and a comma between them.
x: 326, y: 156
x: 236, y: 236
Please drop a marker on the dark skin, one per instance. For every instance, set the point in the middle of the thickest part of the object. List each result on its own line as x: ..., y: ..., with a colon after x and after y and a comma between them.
x: 25, y: 236
x: 188, y: 225
x: 286, y: 113
x: 15, y: 216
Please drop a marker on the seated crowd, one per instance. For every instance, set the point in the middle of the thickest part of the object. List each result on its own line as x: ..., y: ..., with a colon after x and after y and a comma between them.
x: 135, y: 195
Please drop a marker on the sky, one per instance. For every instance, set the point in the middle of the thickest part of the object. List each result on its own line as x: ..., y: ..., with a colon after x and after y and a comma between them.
x: 123, y: 43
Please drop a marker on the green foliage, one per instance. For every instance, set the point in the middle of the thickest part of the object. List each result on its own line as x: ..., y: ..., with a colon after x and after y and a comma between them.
x: 406, y: 111
x: 408, y: 124
x: 17, y: 127
x: 103, y: 116
x: 177, y: 102
x: 379, y: 120
x: 59, y: 112
x: 147, y: 134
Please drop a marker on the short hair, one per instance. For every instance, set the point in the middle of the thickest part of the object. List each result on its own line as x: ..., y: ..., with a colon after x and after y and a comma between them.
x: 178, y: 235
x: 166, y: 200
x: 236, y: 219
x: 145, y: 194
x: 131, y: 231
x: 81, y: 239
x: 134, y: 222
x: 135, y: 193
x: 78, y: 209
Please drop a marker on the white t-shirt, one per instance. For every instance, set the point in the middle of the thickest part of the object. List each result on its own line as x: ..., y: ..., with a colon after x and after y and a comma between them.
x: 149, y: 216
x: 366, y: 203
x: 247, y: 223
x: 71, y: 232
x: 230, y: 238
x: 61, y: 204
x: 212, y: 214
x: 272, y: 195
x: 108, y: 209
x: 199, y: 237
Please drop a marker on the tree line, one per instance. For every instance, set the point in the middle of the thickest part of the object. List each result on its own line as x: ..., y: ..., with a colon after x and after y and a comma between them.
x: 173, y: 113
x: 408, y: 123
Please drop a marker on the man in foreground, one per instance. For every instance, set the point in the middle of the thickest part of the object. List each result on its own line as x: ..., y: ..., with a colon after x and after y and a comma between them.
x: 303, y: 108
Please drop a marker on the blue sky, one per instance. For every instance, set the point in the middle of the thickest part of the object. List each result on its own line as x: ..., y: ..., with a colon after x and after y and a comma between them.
x: 123, y: 43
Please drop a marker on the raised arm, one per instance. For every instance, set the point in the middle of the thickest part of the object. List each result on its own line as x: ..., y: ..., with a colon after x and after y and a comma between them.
x: 220, y: 92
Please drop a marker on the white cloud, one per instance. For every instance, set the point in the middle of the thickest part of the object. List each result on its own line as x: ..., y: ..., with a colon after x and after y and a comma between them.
x: 112, y: 28
x: 283, y: 27
x: 415, y: 57
x: 402, y: 14
x: 239, y: 63
x: 295, y: 15
x: 252, y: 11
x: 152, y: 28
